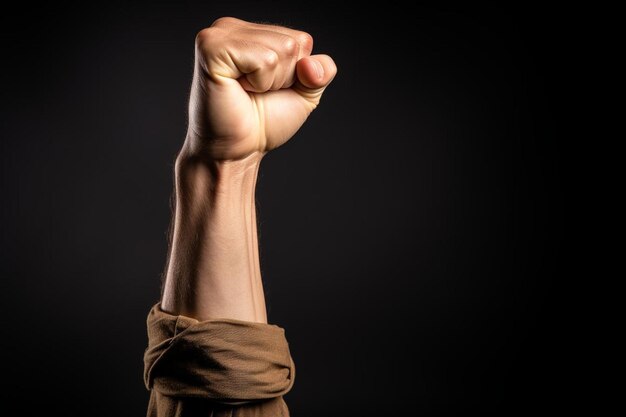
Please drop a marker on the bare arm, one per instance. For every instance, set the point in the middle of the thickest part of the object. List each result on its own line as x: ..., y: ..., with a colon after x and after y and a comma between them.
x: 253, y: 87
x: 214, y: 267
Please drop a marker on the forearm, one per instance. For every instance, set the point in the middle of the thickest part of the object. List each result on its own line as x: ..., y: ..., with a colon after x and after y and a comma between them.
x: 213, y: 269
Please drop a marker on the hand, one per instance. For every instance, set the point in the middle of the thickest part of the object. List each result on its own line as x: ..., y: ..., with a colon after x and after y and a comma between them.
x: 253, y: 87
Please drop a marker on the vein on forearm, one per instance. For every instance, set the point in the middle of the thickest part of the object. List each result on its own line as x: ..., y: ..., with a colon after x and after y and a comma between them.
x: 214, y: 264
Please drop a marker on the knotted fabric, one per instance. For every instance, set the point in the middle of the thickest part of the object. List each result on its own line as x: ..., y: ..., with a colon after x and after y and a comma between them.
x: 217, y: 365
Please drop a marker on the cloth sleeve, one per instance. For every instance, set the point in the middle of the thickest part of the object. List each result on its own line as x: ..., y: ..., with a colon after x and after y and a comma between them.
x: 195, y: 368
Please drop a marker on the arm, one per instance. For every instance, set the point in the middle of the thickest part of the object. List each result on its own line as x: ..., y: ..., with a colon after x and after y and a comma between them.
x: 253, y: 87
x: 209, y: 341
x: 214, y: 269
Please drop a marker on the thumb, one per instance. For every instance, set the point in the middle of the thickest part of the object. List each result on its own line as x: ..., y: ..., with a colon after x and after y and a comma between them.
x: 314, y: 74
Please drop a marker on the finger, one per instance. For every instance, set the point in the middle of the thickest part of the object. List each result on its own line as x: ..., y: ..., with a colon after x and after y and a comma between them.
x: 304, y: 39
x: 290, y: 45
x: 287, y: 49
x: 261, y: 57
x: 315, y: 73
x: 259, y: 66
x: 252, y: 64
x: 291, y: 106
x: 266, y: 59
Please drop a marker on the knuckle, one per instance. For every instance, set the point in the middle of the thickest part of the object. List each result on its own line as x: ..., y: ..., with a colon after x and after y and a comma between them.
x: 305, y: 40
x: 205, y: 36
x: 224, y: 21
x: 290, y: 46
x: 270, y: 59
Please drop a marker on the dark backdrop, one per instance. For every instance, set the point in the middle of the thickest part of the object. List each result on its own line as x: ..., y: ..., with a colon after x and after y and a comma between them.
x: 410, y: 234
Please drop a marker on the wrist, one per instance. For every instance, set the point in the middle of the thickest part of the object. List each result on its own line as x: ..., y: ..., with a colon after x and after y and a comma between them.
x: 195, y: 174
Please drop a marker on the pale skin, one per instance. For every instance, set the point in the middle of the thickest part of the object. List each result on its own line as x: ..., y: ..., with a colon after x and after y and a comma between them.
x: 253, y: 87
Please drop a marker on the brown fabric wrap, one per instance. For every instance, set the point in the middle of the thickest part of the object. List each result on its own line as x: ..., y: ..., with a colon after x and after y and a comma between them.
x: 226, y: 361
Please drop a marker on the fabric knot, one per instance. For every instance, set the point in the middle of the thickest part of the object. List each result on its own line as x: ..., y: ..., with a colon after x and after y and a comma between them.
x: 225, y: 360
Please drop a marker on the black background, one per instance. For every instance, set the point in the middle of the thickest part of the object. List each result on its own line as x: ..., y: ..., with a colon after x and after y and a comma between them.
x: 411, y: 234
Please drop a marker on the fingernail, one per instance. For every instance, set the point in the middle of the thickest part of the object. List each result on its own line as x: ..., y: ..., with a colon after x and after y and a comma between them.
x: 318, y: 69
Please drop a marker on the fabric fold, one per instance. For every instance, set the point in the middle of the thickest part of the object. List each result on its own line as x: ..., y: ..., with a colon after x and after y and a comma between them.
x: 223, y: 360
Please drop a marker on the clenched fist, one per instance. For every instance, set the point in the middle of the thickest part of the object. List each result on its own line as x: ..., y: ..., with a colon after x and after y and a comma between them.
x: 253, y: 87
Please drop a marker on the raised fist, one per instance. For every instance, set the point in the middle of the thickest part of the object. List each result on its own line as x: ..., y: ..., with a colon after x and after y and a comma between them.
x: 254, y: 85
